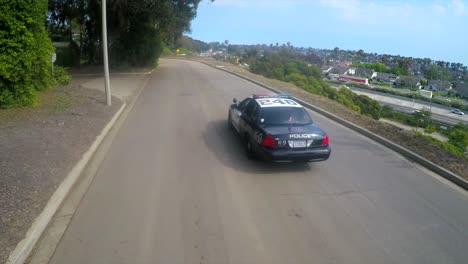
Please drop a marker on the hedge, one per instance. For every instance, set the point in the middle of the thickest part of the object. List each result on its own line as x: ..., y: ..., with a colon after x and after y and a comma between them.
x: 25, y: 52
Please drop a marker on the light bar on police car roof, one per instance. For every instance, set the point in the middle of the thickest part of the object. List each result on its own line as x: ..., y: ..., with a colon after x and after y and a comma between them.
x: 255, y: 96
x: 283, y: 95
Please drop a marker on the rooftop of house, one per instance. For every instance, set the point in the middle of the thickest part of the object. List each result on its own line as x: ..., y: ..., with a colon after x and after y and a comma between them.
x: 339, y: 69
x: 363, y: 72
x: 384, y: 76
x: 440, y: 84
x: 326, y: 68
x: 409, y: 80
x: 353, y: 77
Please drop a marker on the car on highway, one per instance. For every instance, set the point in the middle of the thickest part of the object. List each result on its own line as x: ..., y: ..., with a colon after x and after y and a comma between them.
x: 457, y: 112
x: 277, y: 128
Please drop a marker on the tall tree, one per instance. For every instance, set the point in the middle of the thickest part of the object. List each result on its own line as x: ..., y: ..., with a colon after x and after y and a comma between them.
x: 311, y: 57
x: 380, y: 67
x: 432, y: 73
x: 136, y: 28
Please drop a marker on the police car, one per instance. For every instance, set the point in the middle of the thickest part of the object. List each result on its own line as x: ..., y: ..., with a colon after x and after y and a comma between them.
x: 277, y: 128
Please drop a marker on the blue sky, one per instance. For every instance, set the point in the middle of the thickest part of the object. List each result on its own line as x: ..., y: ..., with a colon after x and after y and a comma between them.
x: 433, y: 29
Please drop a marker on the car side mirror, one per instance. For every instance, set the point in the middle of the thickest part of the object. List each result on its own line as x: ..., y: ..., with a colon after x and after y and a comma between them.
x: 234, y: 100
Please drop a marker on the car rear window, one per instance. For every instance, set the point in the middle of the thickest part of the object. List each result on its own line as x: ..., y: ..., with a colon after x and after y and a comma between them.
x: 284, y: 116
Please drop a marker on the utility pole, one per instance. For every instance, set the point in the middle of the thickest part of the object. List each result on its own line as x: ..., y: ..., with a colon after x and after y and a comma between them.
x: 106, y: 58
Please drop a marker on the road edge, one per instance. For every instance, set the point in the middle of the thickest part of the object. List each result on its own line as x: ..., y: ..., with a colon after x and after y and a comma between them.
x: 111, y: 74
x: 109, y: 134
x: 448, y: 175
x: 25, y: 246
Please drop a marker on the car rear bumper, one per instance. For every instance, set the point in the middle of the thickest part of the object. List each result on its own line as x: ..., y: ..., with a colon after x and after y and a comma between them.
x: 308, y: 155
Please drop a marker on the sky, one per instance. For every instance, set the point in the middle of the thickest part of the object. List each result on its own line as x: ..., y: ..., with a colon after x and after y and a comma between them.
x: 433, y: 29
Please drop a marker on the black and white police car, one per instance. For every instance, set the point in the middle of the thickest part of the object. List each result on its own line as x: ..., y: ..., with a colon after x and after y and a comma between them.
x: 277, y: 128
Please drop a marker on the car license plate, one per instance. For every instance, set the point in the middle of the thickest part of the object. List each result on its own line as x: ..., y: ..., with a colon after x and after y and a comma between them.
x: 299, y: 144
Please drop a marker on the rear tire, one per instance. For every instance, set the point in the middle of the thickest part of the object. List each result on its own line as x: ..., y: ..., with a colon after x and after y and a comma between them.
x: 250, y: 153
x: 230, y: 125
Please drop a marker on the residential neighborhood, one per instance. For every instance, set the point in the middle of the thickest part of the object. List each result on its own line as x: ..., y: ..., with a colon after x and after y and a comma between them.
x: 368, y: 76
x: 444, y: 78
x: 398, y: 71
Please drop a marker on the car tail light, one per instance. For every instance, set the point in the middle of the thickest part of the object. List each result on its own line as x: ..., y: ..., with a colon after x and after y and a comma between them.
x: 325, y: 140
x: 269, y: 141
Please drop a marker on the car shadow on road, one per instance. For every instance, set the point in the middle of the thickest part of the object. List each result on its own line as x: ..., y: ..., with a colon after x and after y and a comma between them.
x: 228, y: 148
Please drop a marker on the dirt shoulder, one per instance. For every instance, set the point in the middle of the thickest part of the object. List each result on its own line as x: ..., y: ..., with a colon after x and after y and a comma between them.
x: 408, y: 139
x: 39, y: 146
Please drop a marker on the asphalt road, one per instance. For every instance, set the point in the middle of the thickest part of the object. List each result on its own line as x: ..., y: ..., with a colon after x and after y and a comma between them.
x: 176, y: 187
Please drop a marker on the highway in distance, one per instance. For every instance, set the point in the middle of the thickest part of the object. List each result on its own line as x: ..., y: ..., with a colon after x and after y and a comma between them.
x: 440, y: 113
x: 177, y: 188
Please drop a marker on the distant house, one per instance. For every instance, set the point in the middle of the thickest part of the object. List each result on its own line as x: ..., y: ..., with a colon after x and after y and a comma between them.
x: 438, y: 86
x: 384, y: 77
x: 410, y: 81
x: 340, y: 70
x: 361, y: 72
x: 337, y: 71
x: 326, y: 69
x: 462, y: 89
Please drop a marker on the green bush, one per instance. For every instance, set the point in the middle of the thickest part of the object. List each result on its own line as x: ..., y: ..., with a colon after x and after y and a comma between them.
x: 453, y: 149
x: 61, y: 75
x: 360, y: 103
x: 403, y: 118
x: 446, y: 145
x: 25, y: 52
x: 368, y: 106
x: 430, y: 129
x: 381, y: 83
x: 166, y: 51
x: 459, y: 138
x: 387, y: 111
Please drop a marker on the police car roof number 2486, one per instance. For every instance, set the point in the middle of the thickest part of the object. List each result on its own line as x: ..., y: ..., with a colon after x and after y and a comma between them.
x: 275, y: 102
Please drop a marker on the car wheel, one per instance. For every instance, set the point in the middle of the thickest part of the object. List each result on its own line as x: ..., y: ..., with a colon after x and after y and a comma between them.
x: 230, y: 122
x: 249, y: 150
